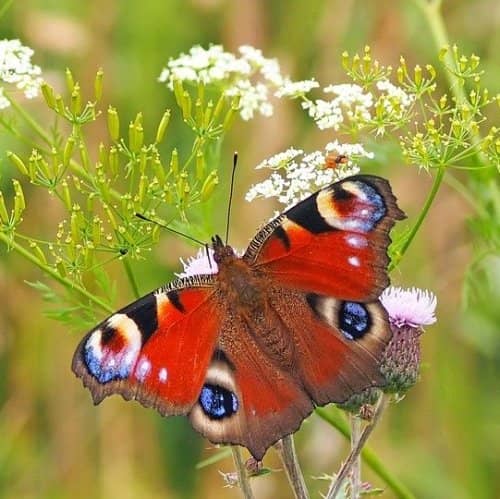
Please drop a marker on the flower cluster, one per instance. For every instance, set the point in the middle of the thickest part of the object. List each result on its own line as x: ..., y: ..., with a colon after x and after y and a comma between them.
x: 295, y: 175
x: 16, y: 69
x: 249, y: 75
x: 352, y: 104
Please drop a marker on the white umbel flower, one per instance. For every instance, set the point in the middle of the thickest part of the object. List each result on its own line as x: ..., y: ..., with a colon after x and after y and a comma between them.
x: 16, y: 69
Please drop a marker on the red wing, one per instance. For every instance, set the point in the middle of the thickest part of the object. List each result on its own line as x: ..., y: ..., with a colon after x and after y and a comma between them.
x: 156, y: 350
x: 332, y: 243
x: 252, y: 400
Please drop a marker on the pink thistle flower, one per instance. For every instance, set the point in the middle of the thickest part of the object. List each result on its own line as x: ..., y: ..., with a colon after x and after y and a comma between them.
x: 409, y: 310
x: 411, y: 307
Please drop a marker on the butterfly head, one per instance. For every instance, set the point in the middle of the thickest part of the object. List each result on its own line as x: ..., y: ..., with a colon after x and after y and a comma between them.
x: 222, y: 251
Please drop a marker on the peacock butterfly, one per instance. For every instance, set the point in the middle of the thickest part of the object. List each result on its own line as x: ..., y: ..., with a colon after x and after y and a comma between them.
x: 248, y: 351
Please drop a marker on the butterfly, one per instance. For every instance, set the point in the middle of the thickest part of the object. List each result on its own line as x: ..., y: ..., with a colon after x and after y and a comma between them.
x: 248, y: 351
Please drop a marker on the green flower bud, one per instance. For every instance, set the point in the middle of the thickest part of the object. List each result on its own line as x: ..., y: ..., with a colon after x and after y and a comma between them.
x: 17, y: 162
x: 162, y: 127
x: 48, y: 95
x: 4, y: 215
x: 113, y: 124
x: 174, y: 162
x: 98, y: 84
x: 76, y: 100
x: 68, y: 150
x: 70, y: 82
x: 209, y: 185
x: 19, y: 201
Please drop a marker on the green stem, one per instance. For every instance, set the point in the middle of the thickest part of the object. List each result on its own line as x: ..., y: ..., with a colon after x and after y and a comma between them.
x: 5, y: 7
x: 30, y: 121
x: 53, y: 273
x: 369, y: 457
x: 131, y: 279
x: 423, y: 214
x: 243, y: 480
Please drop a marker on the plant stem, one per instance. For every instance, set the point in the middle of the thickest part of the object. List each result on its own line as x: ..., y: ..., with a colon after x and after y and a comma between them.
x: 30, y: 121
x: 336, y: 485
x: 131, y: 278
x: 421, y: 217
x: 288, y: 456
x: 53, y: 273
x: 333, y: 417
x: 355, y: 475
x: 243, y: 480
x: 5, y: 7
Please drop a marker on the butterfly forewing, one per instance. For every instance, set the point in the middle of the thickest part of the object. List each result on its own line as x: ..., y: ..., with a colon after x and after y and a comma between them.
x: 334, y: 242
x: 156, y: 350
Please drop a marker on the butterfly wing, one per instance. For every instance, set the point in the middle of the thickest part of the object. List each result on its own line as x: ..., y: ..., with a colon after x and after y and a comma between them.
x: 334, y: 242
x: 326, y: 258
x: 156, y: 350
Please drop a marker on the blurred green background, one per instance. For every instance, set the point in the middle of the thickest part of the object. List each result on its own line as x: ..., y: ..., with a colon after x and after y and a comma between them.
x: 442, y: 440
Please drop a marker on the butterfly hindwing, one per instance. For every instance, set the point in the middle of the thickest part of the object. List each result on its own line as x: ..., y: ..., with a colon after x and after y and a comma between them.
x: 156, y: 350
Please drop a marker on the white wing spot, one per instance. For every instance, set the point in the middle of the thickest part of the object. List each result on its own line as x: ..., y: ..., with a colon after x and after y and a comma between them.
x: 163, y: 374
x: 354, y: 261
x: 143, y: 369
x: 356, y: 241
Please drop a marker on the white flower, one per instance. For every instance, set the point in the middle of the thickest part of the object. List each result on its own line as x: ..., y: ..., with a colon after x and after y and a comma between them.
x: 409, y: 307
x: 296, y: 175
x: 351, y: 102
x: 16, y: 69
x: 296, y: 88
x: 280, y: 160
x: 349, y: 150
x: 249, y: 76
x: 395, y: 94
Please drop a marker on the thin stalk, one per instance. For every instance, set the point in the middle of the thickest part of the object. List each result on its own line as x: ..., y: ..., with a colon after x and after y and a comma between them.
x: 369, y: 457
x: 5, y: 7
x: 30, y: 121
x: 421, y: 217
x: 243, y: 480
x: 355, y: 475
x: 131, y: 278
x: 53, y: 273
x: 336, y: 485
x: 288, y: 456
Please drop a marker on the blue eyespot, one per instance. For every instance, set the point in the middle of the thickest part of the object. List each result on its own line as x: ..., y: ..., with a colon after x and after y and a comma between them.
x: 217, y: 402
x: 105, y: 371
x: 354, y: 320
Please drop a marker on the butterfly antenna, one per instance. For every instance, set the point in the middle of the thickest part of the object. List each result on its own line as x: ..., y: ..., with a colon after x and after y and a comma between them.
x: 231, y: 189
x: 163, y: 226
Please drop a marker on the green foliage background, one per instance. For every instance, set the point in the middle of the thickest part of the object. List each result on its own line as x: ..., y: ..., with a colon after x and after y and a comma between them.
x: 442, y: 440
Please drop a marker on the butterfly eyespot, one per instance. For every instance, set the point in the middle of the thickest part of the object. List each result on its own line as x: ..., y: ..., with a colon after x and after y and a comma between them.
x: 111, y: 351
x: 218, y: 402
x: 354, y: 320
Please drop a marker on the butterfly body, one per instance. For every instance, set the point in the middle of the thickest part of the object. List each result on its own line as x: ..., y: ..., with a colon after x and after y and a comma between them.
x: 248, y: 350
